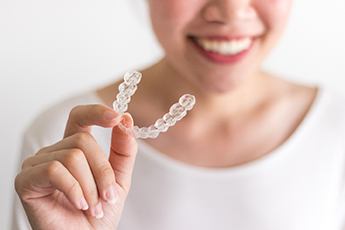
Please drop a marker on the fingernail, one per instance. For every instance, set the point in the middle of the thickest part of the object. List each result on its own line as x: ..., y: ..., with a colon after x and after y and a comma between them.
x: 97, y: 211
x: 109, y: 116
x: 83, y: 204
x: 125, y: 121
x: 110, y: 195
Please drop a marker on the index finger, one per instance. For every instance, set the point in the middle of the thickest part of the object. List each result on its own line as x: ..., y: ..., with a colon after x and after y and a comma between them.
x: 82, y: 117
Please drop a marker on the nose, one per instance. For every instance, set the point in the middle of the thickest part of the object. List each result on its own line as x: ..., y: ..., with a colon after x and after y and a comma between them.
x: 225, y: 11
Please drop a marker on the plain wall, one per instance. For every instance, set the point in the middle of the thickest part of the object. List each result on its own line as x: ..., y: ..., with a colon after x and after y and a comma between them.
x: 50, y: 50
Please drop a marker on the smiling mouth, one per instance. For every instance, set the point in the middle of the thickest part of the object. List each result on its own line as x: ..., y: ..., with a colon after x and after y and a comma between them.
x: 224, y: 47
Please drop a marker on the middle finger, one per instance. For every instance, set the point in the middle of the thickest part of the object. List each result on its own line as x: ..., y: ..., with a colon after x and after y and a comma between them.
x: 97, y: 160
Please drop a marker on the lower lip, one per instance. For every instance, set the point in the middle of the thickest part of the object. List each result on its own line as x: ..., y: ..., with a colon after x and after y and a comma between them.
x: 219, y: 58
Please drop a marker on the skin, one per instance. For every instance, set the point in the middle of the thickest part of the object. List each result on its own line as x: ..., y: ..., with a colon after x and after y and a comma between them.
x: 228, y: 126
x: 54, y: 182
x: 236, y: 133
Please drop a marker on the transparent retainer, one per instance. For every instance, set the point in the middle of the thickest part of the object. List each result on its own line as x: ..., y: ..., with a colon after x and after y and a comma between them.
x: 176, y: 112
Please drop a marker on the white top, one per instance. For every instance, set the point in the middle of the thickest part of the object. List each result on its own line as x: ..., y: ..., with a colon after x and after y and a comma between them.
x: 298, y: 186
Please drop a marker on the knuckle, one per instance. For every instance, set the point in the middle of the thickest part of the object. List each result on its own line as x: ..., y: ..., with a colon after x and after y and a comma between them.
x: 82, y: 138
x: 18, y: 183
x: 73, y: 157
x: 53, y: 168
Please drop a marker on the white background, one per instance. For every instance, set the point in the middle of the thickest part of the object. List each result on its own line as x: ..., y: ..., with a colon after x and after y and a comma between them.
x: 50, y: 50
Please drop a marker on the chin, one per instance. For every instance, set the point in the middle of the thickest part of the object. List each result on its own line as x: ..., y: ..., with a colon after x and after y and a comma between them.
x: 221, y: 83
x: 219, y: 87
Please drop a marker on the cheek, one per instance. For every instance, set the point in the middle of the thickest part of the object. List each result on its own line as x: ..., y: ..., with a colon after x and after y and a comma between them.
x: 170, y: 14
x: 274, y: 12
x: 169, y: 19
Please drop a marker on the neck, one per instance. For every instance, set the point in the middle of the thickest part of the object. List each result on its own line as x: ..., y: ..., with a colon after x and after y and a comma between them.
x: 243, y: 97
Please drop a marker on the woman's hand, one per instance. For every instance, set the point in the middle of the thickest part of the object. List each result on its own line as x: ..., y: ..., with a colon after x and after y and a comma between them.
x: 71, y: 184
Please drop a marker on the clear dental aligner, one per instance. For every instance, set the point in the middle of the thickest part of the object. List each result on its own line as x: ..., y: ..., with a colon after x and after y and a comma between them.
x: 176, y: 112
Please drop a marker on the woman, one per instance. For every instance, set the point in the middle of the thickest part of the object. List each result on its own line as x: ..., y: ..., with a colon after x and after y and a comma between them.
x: 252, y: 154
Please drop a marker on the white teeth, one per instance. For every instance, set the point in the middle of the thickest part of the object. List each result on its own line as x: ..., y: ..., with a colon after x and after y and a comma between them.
x: 225, y: 47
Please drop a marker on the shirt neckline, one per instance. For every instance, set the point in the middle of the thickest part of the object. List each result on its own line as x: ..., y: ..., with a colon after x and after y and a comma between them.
x: 279, y: 152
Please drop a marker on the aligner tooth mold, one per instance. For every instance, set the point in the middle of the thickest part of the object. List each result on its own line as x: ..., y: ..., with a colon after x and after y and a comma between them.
x: 176, y: 112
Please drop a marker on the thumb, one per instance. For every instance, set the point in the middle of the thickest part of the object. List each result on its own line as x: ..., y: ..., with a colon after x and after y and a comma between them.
x: 123, y: 151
